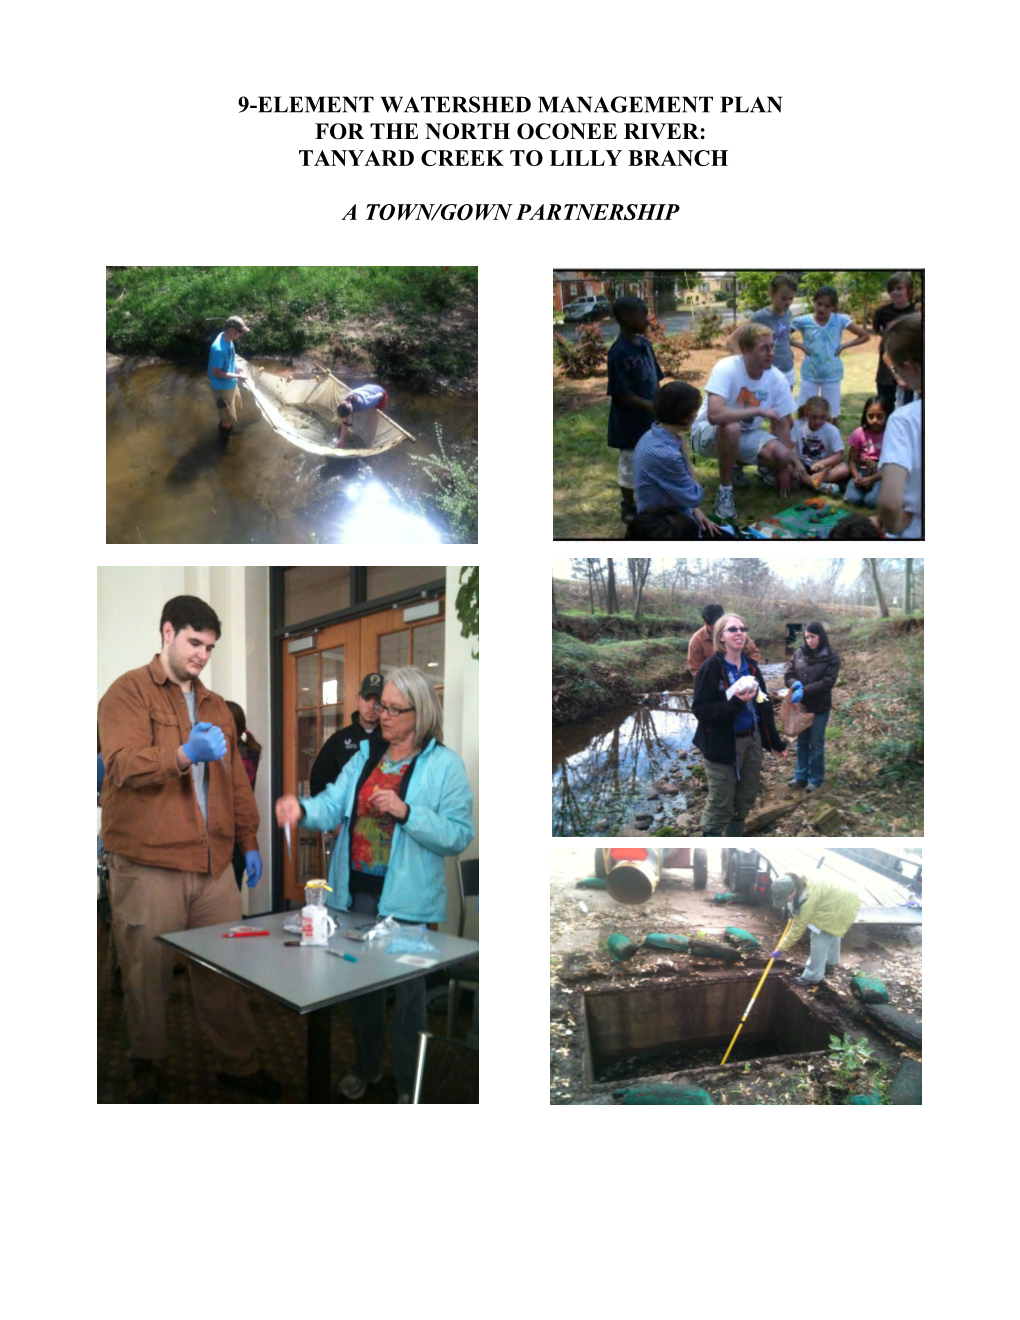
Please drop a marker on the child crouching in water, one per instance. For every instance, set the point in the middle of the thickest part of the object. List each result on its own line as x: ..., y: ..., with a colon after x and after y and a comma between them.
x: 819, y: 447
x: 366, y: 398
x: 865, y: 454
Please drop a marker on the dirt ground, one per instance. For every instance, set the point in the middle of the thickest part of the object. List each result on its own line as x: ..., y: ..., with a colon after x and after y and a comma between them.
x: 581, y: 921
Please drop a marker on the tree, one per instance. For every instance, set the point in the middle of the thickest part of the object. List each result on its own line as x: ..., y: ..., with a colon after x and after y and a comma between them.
x: 883, y: 608
x: 612, y: 603
x: 638, y: 577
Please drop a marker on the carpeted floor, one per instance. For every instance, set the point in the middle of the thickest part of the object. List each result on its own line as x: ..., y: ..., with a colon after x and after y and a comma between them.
x: 190, y: 1072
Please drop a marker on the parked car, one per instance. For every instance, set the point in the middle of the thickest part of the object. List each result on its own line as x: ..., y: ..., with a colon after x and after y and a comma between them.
x: 590, y: 308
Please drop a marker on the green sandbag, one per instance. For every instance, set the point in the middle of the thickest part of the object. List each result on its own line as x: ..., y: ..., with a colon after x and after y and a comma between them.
x: 870, y: 989
x: 724, y: 898
x: 593, y: 882
x: 621, y: 948
x: 678, y: 943
x: 709, y: 950
x: 873, y: 1099
x: 663, y: 1093
x: 901, y: 1026
x: 744, y: 938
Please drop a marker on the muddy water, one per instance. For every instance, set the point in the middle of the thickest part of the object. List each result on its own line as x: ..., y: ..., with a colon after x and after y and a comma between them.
x: 603, y: 768
x: 167, y: 479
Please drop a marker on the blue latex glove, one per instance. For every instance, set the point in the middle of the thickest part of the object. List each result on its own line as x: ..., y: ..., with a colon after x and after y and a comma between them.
x: 796, y: 697
x: 253, y: 865
x: 207, y: 743
x: 776, y: 953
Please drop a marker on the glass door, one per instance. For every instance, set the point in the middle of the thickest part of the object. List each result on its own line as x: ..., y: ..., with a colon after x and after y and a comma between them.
x: 320, y: 686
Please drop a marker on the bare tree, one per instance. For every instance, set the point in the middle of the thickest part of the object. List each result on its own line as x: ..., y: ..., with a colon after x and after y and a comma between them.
x: 908, y: 585
x: 883, y: 608
x: 612, y: 602
x: 555, y: 611
x: 638, y: 577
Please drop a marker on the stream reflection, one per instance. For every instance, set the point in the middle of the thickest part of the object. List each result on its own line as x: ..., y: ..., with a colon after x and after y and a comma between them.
x: 603, y: 767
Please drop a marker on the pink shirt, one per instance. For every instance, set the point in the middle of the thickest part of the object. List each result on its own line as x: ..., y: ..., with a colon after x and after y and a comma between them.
x: 868, y: 443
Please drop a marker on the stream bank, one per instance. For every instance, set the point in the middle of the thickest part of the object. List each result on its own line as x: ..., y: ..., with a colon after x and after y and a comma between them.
x: 610, y: 745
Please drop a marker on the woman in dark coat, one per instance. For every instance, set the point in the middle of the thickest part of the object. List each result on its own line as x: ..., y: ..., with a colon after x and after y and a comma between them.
x: 733, y: 732
x: 815, y: 665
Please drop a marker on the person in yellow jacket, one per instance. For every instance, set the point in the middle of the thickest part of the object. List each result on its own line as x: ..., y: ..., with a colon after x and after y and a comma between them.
x: 824, y: 909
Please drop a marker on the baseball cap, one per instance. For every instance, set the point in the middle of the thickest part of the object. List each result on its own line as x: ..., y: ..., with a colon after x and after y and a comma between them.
x: 372, y: 685
x: 235, y: 323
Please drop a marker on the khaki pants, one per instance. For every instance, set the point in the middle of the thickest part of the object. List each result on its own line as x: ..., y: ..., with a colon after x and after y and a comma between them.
x: 226, y: 406
x: 147, y: 901
x: 730, y: 798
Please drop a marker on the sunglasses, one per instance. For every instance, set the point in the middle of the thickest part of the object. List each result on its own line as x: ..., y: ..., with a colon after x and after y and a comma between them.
x: 734, y: 630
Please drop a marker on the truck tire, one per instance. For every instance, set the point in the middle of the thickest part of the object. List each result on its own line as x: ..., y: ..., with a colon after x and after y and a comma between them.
x: 700, y: 868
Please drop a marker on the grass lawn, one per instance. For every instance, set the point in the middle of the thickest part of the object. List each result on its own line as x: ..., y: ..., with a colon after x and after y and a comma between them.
x: 586, y: 499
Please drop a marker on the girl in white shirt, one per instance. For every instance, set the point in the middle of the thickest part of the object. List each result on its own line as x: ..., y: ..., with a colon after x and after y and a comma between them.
x: 819, y: 447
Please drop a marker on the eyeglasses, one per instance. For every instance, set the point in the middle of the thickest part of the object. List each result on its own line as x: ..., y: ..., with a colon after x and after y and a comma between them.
x: 734, y: 630
x: 393, y: 710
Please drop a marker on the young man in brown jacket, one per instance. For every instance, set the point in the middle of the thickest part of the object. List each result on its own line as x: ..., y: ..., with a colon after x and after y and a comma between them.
x: 175, y: 798
x: 700, y: 645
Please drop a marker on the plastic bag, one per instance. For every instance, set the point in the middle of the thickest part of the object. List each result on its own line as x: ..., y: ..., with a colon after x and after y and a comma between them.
x: 746, y: 684
x: 411, y: 939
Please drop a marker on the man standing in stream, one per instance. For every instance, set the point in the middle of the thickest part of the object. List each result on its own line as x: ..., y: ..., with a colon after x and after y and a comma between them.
x: 224, y: 375
x: 175, y: 797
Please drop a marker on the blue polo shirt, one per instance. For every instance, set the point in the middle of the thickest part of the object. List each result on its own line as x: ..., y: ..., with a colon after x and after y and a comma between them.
x: 662, y: 480
x: 633, y: 369
x: 747, y: 719
x: 222, y: 355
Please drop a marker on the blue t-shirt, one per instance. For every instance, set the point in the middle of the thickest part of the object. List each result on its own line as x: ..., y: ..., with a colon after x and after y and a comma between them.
x: 662, y: 480
x: 780, y: 327
x: 747, y: 719
x: 222, y: 355
x: 367, y: 396
x: 821, y: 341
x: 633, y: 369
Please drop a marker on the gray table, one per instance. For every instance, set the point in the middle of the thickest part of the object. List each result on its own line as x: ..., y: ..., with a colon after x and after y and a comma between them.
x: 310, y: 981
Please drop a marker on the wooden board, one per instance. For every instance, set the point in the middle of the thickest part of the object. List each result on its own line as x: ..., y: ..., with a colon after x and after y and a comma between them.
x: 875, y: 890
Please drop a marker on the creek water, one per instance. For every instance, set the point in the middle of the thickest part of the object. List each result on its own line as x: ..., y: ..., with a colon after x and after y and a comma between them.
x: 604, y: 768
x: 168, y: 480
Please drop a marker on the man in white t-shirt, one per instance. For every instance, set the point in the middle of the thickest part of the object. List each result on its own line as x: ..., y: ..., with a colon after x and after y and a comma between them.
x: 742, y: 393
x: 899, y: 498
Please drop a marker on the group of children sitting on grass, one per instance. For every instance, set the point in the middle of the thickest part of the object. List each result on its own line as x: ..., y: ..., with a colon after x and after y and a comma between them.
x: 652, y: 426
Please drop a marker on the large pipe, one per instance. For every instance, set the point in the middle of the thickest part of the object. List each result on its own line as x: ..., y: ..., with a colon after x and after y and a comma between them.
x: 632, y: 882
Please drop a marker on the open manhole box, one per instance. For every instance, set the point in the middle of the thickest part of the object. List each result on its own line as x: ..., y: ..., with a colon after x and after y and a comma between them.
x: 665, y: 1029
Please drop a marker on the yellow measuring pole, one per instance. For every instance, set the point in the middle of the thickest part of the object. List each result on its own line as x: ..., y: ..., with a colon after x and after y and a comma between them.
x: 747, y: 1010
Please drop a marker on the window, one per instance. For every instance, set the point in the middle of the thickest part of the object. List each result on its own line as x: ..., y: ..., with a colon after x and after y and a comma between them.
x: 384, y: 582
x: 310, y: 593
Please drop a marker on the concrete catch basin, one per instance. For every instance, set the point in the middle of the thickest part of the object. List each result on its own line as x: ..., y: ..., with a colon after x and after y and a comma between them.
x: 657, y: 1029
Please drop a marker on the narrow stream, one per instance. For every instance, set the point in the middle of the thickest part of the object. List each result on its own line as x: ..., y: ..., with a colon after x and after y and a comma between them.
x: 167, y: 479
x: 604, y: 768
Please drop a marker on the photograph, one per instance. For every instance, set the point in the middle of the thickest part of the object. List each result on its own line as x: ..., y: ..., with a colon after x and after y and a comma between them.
x: 745, y: 697
x: 287, y: 765
x: 784, y: 973
x: 310, y: 405
x: 738, y: 404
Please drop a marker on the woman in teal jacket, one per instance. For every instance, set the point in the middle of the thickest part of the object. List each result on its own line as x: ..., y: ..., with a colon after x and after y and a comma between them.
x: 404, y: 806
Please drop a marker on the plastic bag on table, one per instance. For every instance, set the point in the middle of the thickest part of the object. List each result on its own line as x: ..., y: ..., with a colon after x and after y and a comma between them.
x: 411, y: 939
